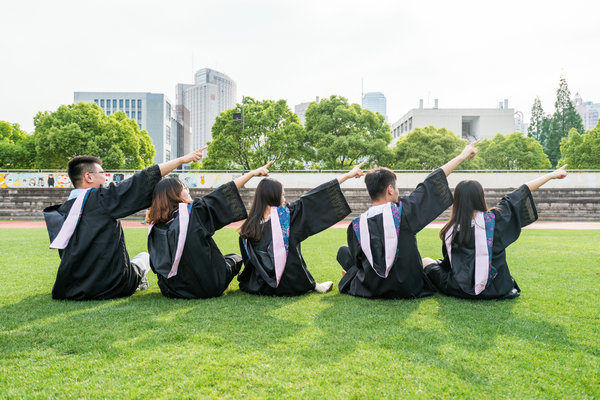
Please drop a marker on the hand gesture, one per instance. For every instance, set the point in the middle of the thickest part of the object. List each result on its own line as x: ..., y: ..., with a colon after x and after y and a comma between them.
x: 560, y: 173
x: 356, y: 172
x: 470, y: 150
x: 195, y: 155
x: 263, y: 171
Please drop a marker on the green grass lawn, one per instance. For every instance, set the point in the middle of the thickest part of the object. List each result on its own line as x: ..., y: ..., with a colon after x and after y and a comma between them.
x: 545, y: 344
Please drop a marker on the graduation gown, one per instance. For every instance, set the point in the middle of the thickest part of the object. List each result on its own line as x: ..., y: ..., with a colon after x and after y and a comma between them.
x: 514, y: 211
x: 312, y: 213
x: 405, y: 278
x: 202, y: 270
x: 95, y: 264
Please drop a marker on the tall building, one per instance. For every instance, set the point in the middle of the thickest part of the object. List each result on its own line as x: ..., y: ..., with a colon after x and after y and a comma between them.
x: 589, y: 112
x: 467, y: 123
x: 376, y: 102
x: 152, y: 112
x: 300, y: 110
x: 211, y: 93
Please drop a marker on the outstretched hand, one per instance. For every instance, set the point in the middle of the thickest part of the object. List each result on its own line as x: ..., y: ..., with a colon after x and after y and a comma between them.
x: 560, y: 173
x: 356, y: 172
x: 263, y: 171
x: 470, y: 150
x: 195, y: 155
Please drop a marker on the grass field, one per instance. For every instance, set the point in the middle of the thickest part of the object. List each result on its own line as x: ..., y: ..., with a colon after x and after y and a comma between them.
x: 545, y: 344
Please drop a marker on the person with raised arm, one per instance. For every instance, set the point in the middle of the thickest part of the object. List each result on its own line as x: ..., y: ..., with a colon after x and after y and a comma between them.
x: 475, y: 238
x: 183, y: 254
x: 271, y: 237
x: 381, y: 258
x: 94, y: 263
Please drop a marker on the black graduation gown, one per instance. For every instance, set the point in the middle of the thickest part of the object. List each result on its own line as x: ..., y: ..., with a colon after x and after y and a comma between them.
x: 514, y: 211
x: 406, y: 278
x: 202, y: 270
x: 95, y: 264
x: 312, y: 213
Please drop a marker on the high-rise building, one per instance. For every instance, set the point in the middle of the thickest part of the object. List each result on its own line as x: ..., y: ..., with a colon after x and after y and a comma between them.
x: 376, y: 102
x: 589, y: 112
x: 152, y: 112
x: 211, y: 93
x: 300, y: 110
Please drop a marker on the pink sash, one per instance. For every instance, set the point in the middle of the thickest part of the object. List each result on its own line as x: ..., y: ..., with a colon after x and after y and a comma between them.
x: 390, y: 235
x: 482, y: 259
x: 184, y: 220
x: 68, y: 228
x: 279, y: 250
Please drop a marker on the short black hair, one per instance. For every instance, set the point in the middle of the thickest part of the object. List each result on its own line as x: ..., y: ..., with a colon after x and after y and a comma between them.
x: 79, y: 165
x: 377, y: 181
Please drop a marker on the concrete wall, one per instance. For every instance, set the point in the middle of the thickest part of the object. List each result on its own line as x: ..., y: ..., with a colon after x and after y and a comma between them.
x: 576, y: 198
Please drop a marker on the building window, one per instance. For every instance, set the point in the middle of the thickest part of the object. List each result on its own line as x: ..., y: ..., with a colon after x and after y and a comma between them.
x: 139, y: 103
x: 168, y: 155
x: 168, y: 135
x: 102, y: 103
x: 108, y: 113
x: 114, y: 103
x: 127, y: 113
x: 127, y: 103
x: 410, y: 124
x: 107, y: 103
x: 121, y: 104
x: 168, y: 113
x: 139, y: 115
x: 132, y: 103
x: 96, y: 101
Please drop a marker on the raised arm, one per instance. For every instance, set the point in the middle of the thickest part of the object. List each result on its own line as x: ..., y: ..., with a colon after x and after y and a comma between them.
x: 169, y: 166
x: 262, y: 171
x: 355, y: 172
x: 560, y: 173
x: 468, y: 152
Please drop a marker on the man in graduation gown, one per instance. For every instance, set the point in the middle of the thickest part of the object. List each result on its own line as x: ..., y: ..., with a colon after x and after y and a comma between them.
x: 381, y: 259
x: 94, y: 260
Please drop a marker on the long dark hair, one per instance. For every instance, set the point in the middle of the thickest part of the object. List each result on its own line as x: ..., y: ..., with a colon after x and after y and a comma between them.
x: 165, y: 200
x: 468, y: 198
x: 268, y: 193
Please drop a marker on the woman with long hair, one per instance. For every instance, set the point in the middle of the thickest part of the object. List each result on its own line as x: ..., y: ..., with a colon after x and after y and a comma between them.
x: 475, y: 238
x: 271, y: 237
x: 183, y: 254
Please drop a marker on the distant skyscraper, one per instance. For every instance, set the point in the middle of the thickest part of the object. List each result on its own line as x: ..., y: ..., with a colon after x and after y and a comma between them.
x: 152, y: 112
x: 589, y: 112
x: 211, y: 94
x: 375, y: 101
x: 300, y: 110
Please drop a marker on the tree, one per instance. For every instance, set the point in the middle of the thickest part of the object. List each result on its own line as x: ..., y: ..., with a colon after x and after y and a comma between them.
x: 83, y: 128
x: 17, y: 148
x: 513, y: 151
x: 564, y: 118
x: 428, y: 148
x: 344, y: 134
x: 540, y: 123
x: 271, y: 131
x: 581, y: 151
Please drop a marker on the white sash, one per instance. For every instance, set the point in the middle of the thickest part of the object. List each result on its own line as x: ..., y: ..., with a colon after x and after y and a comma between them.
x: 184, y: 220
x: 391, y: 239
x: 68, y: 228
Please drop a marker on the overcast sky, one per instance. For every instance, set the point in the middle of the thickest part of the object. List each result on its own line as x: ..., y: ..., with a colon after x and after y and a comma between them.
x: 465, y: 53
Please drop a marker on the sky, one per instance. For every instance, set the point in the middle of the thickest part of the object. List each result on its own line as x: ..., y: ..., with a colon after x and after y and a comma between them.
x: 464, y: 53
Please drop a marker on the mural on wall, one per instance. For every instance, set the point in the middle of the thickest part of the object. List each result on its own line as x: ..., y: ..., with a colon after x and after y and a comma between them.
x: 61, y: 180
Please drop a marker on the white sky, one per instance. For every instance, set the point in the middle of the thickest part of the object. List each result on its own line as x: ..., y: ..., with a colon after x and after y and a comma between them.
x: 465, y: 53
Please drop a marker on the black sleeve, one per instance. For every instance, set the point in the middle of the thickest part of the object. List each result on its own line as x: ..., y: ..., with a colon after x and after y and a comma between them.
x: 220, y: 207
x: 317, y: 210
x: 514, y: 211
x: 426, y: 202
x: 131, y: 195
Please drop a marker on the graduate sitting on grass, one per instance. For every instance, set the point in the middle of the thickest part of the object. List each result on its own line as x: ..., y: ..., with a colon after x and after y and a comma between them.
x: 475, y: 239
x: 271, y: 237
x: 183, y: 253
x: 381, y: 259
x: 94, y: 260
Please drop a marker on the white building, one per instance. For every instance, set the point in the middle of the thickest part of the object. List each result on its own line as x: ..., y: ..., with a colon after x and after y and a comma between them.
x: 376, y: 102
x: 211, y: 93
x: 589, y: 112
x: 468, y: 123
x: 300, y: 109
x: 152, y: 112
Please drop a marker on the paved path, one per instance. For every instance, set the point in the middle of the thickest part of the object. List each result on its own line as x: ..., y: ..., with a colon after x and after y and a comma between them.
x: 584, y: 226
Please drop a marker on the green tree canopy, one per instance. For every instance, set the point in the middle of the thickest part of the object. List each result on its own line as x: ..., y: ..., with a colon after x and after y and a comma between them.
x: 428, y: 148
x: 271, y: 131
x: 83, y: 128
x: 563, y: 120
x: 539, y: 124
x: 581, y: 151
x: 17, y: 147
x: 513, y: 151
x: 344, y: 134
